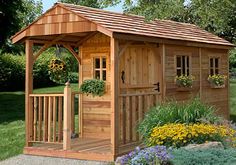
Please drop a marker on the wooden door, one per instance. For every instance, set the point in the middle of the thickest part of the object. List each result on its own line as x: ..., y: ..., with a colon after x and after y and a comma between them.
x: 140, y: 71
x: 140, y: 85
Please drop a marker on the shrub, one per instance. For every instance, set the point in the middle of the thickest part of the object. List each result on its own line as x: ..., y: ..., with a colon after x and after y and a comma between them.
x: 93, y: 86
x: 12, y: 72
x: 73, y: 77
x: 152, y: 155
x: 178, y: 135
x: 214, y: 156
x: 173, y: 112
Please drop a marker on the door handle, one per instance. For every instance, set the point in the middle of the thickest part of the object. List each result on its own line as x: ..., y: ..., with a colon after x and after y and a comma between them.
x: 157, y: 86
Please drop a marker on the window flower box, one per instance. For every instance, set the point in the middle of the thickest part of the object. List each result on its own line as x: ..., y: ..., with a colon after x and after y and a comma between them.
x: 217, y: 81
x: 184, y: 82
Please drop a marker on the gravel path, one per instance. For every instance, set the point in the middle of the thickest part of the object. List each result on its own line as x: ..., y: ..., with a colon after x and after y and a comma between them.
x: 40, y: 160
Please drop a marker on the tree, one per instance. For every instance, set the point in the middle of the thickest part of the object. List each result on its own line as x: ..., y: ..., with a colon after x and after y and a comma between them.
x: 14, y: 15
x: 93, y: 3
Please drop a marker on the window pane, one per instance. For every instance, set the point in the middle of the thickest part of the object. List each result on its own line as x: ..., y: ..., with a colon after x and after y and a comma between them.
x: 97, y: 74
x: 183, y: 64
x: 188, y: 72
x: 211, y: 72
x: 216, y: 62
x: 97, y: 63
x: 178, y: 72
x: 178, y: 62
x: 211, y: 62
x: 216, y: 71
x: 103, y: 62
x: 187, y: 61
x: 104, y: 75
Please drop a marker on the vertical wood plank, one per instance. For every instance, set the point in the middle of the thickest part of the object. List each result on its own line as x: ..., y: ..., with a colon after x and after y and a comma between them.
x: 28, y: 91
x: 200, y: 72
x: 35, y: 117
x: 124, y: 119
x: 121, y: 113
x: 140, y: 110
x: 67, y: 118
x: 49, y: 118
x: 134, y: 120
x: 40, y: 119
x: 54, y: 119
x: 128, y: 119
x: 60, y: 119
x: 73, y: 113
x: 115, y: 126
x: 163, y: 55
x: 80, y: 101
x: 45, y: 118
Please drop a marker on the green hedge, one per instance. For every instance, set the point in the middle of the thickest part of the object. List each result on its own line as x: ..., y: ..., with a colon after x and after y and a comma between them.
x: 12, y: 70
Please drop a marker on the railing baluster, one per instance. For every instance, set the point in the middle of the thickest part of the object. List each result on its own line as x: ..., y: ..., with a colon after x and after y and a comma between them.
x: 49, y: 118
x: 35, y: 118
x: 60, y: 119
x: 45, y: 118
x: 54, y: 119
x: 40, y: 119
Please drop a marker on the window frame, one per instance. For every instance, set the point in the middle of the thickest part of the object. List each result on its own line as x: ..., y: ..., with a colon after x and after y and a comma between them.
x: 214, y: 57
x: 187, y: 69
x: 99, y: 56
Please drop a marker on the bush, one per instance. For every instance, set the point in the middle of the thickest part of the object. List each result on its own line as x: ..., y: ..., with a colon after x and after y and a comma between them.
x: 12, y: 72
x: 178, y: 135
x: 173, y: 112
x: 153, y: 155
x: 93, y: 86
x: 73, y: 77
x: 212, y: 156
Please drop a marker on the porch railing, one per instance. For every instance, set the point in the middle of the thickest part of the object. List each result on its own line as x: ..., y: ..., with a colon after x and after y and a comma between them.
x: 52, y: 117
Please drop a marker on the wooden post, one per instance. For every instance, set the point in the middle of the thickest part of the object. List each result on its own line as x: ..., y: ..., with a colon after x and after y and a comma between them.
x: 67, y: 118
x: 115, y: 126
x: 28, y: 91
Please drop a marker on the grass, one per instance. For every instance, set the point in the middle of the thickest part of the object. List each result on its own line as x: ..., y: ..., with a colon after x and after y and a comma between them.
x: 233, y: 100
x: 12, y: 126
x: 12, y: 134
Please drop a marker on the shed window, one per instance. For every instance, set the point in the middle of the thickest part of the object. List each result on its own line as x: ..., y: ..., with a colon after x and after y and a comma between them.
x: 214, y: 65
x: 182, y: 65
x: 100, y: 68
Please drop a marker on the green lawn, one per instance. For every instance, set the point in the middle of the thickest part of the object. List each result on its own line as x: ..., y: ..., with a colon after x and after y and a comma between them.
x: 12, y: 125
x: 12, y: 133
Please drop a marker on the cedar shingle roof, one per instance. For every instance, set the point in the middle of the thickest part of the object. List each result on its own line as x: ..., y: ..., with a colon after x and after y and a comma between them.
x: 132, y: 24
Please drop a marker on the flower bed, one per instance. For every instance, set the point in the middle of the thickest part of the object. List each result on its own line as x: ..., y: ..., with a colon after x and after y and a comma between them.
x: 157, y: 155
x: 178, y: 135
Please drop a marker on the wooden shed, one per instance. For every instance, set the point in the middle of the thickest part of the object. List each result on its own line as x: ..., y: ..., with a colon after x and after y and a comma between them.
x: 138, y: 61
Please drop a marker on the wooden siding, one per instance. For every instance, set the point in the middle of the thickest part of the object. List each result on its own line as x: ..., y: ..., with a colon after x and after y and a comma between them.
x: 57, y: 21
x: 170, y: 71
x: 96, y: 111
x: 216, y: 97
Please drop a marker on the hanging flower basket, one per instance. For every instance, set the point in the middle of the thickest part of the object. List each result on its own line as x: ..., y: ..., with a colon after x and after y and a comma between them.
x: 184, y: 82
x: 58, y: 71
x: 217, y: 80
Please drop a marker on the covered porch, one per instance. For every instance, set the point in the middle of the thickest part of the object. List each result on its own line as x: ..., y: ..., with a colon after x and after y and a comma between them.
x: 106, y: 126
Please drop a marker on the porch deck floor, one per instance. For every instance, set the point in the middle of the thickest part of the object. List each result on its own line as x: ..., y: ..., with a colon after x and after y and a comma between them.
x: 81, y: 148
